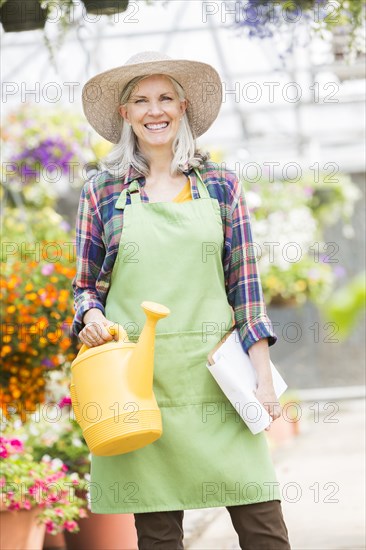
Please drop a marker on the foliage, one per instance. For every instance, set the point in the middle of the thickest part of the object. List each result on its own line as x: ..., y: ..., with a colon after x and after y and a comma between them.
x: 45, y: 151
x: 302, y: 281
x: 27, y: 482
x: 347, y: 304
x: 267, y: 18
x: 289, y: 220
x: 53, y: 430
x: 37, y: 305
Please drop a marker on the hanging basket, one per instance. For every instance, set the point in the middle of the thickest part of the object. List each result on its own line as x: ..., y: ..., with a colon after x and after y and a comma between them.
x: 105, y: 7
x: 22, y: 15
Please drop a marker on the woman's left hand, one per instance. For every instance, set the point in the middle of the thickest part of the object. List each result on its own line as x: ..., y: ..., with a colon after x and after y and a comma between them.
x: 266, y: 395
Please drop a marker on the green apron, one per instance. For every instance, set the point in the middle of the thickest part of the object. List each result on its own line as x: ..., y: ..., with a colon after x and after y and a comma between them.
x: 171, y: 253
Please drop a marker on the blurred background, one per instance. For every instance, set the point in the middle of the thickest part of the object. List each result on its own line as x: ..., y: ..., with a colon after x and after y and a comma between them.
x: 292, y: 125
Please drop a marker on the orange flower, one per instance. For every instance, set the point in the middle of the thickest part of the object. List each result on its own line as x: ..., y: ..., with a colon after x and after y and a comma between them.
x: 5, y: 350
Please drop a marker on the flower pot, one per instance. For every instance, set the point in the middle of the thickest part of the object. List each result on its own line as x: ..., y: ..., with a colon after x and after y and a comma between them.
x: 104, y: 532
x: 20, y: 530
x: 280, y: 301
x: 54, y: 542
x: 282, y: 430
x: 18, y: 15
x: 105, y: 7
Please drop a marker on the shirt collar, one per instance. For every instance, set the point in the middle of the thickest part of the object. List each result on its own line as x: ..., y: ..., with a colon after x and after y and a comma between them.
x: 134, y: 174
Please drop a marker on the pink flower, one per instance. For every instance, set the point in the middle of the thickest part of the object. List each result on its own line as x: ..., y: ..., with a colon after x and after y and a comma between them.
x: 3, y: 452
x: 82, y: 513
x: 17, y: 444
x: 65, y: 402
x: 50, y: 526
x: 27, y: 505
x: 70, y: 525
x: 33, y: 490
x: 52, y: 498
x: 47, y: 269
x: 59, y: 512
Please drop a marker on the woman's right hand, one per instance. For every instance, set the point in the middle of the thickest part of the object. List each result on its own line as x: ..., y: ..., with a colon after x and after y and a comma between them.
x: 95, y: 331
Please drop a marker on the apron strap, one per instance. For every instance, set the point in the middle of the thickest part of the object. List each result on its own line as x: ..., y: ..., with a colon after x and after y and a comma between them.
x: 135, y: 197
x: 131, y: 189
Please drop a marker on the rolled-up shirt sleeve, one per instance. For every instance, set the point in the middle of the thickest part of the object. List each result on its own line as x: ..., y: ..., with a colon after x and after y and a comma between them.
x: 242, y: 278
x: 90, y: 254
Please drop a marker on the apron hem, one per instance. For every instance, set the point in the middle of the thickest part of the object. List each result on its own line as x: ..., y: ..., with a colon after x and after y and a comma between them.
x: 190, y: 506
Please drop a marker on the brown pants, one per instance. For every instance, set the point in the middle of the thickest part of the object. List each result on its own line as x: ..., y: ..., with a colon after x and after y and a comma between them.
x: 260, y: 526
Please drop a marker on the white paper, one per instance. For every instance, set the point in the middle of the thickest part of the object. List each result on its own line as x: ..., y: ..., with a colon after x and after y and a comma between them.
x: 237, y: 377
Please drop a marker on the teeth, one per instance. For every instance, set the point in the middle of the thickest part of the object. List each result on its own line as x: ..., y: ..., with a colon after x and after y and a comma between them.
x: 156, y: 126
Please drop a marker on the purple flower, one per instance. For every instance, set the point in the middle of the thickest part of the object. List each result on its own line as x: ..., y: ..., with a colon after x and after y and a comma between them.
x: 339, y: 271
x: 47, y: 362
x: 260, y: 18
x: 65, y: 226
x: 50, y: 155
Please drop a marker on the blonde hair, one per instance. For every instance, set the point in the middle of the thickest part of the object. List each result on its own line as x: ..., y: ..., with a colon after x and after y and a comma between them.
x: 127, y: 153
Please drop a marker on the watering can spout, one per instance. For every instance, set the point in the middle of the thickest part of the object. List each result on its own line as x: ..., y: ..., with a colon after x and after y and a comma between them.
x: 141, y: 367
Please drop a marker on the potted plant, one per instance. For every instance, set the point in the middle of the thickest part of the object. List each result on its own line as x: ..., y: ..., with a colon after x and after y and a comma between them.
x: 287, y: 425
x: 37, y: 311
x: 53, y: 430
x: 295, y: 263
x: 20, y: 15
x: 39, y: 493
x: 105, y: 7
x: 262, y: 19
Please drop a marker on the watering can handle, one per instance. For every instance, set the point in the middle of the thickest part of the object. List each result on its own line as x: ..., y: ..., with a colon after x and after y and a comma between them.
x: 113, y: 329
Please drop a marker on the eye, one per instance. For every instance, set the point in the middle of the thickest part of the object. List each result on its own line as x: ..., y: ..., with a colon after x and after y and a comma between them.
x: 166, y: 98
x: 140, y: 100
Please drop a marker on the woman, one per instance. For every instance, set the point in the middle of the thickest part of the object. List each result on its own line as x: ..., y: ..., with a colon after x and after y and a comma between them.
x: 162, y: 223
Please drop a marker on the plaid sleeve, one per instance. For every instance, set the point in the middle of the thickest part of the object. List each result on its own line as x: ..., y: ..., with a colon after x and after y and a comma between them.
x: 90, y: 253
x: 242, y: 277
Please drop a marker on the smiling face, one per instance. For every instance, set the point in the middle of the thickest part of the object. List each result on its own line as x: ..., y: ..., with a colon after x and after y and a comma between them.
x: 154, y: 111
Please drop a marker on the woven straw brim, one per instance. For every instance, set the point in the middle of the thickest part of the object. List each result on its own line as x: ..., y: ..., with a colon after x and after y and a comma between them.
x: 201, y: 83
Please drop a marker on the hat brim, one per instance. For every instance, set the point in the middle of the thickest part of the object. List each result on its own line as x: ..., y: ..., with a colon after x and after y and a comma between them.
x: 201, y: 83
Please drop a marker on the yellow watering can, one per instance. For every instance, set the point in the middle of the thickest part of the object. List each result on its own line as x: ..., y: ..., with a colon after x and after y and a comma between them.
x: 112, y: 390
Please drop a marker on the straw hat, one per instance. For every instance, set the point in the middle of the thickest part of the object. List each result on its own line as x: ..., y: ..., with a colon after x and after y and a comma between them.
x: 201, y: 83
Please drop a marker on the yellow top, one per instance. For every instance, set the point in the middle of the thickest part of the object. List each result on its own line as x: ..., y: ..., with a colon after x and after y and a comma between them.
x: 185, y: 193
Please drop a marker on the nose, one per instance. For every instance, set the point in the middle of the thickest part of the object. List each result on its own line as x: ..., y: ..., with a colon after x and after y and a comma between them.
x: 155, y: 108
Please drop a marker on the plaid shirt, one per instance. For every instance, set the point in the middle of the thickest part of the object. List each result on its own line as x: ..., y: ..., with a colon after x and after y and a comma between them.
x: 98, y: 231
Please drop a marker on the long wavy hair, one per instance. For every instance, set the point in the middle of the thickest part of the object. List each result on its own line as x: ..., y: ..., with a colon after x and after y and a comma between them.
x: 127, y: 152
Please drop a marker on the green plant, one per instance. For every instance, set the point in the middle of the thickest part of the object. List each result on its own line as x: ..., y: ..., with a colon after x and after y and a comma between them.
x: 37, y: 305
x: 289, y: 219
x: 45, y: 151
x: 347, y: 305
x: 268, y: 18
x: 53, y: 431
